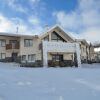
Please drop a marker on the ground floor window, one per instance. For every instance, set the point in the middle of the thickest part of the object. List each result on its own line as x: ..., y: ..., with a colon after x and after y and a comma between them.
x: 23, y: 58
x: 31, y: 58
x: 2, y: 55
x: 28, y: 58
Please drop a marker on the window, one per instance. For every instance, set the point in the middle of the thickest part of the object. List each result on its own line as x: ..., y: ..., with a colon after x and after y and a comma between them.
x: 31, y: 58
x: 23, y: 58
x: 2, y: 43
x: 2, y: 55
x: 28, y: 42
x: 56, y: 37
x: 13, y: 42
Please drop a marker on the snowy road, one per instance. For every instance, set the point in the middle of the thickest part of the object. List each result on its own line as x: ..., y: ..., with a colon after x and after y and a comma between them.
x: 49, y: 84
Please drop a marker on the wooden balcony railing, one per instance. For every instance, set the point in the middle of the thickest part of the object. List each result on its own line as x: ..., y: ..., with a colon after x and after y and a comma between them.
x: 11, y: 46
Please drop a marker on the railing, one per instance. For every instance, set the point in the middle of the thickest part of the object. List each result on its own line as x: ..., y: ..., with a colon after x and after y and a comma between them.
x: 12, y: 46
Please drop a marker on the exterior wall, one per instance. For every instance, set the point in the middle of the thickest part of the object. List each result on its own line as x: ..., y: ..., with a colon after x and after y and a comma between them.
x: 98, y: 57
x: 36, y: 49
x: 27, y: 50
x: 10, y: 51
x: 87, y: 53
x: 30, y: 50
x: 22, y: 50
x: 83, y: 52
x: 49, y: 56
x: 68, y: 56
x: 92, y: 54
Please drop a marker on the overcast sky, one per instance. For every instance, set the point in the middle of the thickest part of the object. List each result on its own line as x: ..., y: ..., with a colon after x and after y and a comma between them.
x: 81, y: 18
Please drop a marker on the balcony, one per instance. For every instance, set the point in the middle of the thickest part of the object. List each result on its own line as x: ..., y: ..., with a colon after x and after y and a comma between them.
x: 12, y: 46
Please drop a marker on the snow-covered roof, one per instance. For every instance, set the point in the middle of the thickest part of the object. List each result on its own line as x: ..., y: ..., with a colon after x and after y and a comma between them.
x: 15, y: 34
x: 61, y: 28
x: 83, y: 41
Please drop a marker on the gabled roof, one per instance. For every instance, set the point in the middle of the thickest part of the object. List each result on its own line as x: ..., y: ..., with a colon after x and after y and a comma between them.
x: 67, y: 35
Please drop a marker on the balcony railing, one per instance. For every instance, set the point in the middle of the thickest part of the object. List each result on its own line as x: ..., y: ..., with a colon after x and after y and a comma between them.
x: 12, y: 46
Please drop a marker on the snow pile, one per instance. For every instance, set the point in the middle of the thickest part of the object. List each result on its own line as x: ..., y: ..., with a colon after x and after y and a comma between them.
x: 18, y: 83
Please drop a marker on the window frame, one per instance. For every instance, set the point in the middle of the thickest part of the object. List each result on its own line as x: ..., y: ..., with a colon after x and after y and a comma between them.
x: 23, y: 60
x: 32, y: 58
x: 58, y: 37
x: 1, y: 57
x: 1, y: 43
x: 29, y: 43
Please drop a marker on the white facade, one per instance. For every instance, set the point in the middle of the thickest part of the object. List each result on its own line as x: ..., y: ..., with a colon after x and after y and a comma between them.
x: 60, y: 47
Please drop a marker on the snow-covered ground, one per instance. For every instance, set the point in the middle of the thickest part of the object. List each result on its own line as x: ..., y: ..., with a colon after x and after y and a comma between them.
x: 18, y: 83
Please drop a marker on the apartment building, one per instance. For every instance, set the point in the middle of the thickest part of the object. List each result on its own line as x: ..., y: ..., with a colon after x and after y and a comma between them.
x: 52, y: 48
x: 13, y: 47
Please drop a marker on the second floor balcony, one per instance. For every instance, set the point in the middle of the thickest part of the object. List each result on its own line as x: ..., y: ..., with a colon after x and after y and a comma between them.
x: 12, y: 46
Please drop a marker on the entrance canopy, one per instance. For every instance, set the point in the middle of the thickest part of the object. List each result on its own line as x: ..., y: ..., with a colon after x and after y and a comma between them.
x: 60, y: 47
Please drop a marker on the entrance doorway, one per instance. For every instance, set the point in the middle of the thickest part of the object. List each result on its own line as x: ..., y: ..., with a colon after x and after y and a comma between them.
x: 57, y: 59
x: 14, y: 57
